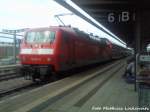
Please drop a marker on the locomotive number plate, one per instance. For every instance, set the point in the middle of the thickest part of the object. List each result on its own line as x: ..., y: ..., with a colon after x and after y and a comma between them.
x: 34, y: 51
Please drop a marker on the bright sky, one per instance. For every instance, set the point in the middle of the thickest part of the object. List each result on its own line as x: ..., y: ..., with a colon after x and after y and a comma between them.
x: 16, y: 14
x: 25, y: 13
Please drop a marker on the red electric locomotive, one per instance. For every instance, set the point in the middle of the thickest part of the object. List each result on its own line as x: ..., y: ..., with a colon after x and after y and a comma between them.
x: 55, y: 49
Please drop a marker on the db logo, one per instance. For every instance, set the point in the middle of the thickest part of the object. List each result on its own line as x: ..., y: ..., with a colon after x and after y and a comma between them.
x: 34, y: 51
x: 36, y: 45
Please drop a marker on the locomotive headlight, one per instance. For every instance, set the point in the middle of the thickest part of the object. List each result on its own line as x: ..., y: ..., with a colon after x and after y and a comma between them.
x: 48, y: 59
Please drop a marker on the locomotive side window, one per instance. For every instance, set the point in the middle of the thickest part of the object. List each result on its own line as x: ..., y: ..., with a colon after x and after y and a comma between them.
x: 40, y: 37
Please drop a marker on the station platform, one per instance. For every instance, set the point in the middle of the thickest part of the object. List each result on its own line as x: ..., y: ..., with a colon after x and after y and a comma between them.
x: 95, y: 91
x: 113, y: 96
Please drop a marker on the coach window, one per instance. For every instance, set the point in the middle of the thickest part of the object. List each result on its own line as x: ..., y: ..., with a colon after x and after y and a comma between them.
x: 107, y: 42
x: 103, y: 42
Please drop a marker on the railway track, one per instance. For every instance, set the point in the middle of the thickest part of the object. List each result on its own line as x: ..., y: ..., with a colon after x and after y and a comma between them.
x: 9, y: 71
x: 15, y: 89
x: 16, y: 86
x: 9, y: 76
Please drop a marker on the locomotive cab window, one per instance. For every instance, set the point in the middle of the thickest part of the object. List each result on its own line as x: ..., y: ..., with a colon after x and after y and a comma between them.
x: 40, y: 36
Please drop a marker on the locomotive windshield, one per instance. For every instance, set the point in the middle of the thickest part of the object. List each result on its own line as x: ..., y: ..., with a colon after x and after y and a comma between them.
x: 40, y: 36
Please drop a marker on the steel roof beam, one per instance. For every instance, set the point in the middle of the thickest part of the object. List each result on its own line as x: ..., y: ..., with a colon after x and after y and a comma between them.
x: 86, y: 2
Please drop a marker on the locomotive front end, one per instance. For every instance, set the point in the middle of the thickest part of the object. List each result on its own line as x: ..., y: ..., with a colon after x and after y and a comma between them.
x: 37, y: 53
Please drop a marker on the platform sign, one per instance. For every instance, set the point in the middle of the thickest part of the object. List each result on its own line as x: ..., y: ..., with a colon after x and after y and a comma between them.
x: 121, y: 17
x: 145, y: 58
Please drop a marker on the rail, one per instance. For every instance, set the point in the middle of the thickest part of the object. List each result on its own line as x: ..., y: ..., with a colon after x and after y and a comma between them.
x: 9, y: 71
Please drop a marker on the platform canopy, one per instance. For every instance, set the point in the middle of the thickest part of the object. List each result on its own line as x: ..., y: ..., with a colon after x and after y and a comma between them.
x: 127, y: 19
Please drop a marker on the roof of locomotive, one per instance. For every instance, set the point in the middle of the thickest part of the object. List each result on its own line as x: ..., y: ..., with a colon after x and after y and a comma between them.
x: 69, y: 29
x: 55, y: 28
